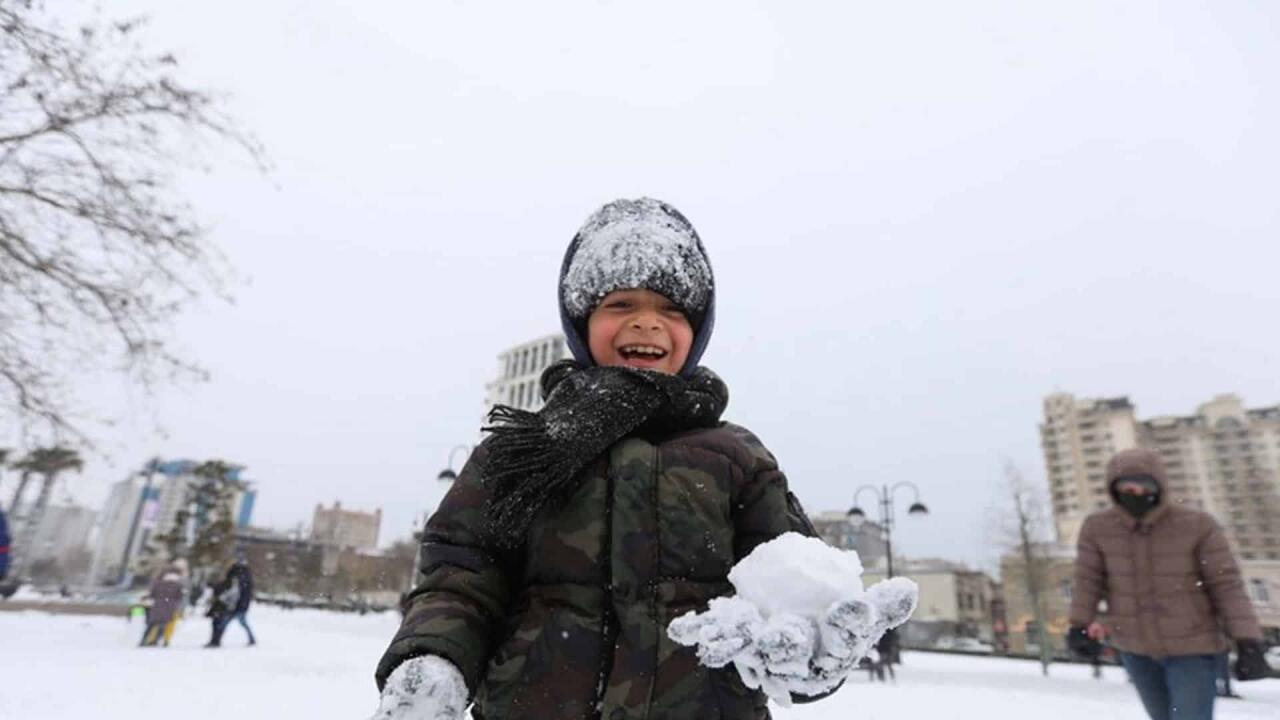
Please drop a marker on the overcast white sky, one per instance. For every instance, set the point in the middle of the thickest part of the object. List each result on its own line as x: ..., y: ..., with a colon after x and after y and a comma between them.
x: 923, y: 216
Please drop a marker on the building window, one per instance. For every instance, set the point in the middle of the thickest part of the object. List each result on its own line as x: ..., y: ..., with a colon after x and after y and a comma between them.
x: 1258, y: 591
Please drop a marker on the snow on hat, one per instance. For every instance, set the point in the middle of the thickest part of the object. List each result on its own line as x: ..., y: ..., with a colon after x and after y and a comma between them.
x: 630, y: 244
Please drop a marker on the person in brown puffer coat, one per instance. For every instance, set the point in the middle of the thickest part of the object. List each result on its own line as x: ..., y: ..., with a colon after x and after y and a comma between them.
x: 1172, y: 589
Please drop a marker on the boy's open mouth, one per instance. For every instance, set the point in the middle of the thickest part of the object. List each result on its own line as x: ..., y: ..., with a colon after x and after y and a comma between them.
x: 642, y: 352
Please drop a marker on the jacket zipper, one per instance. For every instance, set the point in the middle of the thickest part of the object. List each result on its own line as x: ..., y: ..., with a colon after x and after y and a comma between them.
x: 608, y: 620
x: 1147, y: 614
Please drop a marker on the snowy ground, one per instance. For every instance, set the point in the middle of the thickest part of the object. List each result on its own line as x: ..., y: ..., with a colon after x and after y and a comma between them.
x: 316, y: 665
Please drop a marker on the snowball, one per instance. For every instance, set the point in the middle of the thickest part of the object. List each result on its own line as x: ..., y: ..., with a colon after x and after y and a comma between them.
x: 797, y: 574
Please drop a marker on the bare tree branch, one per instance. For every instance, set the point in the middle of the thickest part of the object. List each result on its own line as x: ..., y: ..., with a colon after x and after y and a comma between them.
x: 99, y: 252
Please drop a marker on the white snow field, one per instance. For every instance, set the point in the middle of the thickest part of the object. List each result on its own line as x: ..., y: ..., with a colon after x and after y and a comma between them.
x: 319, y: 666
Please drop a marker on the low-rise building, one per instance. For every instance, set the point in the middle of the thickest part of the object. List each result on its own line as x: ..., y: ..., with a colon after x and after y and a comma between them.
x: 346, y: 528
x: 1262, y: 583
x: 1055, y: 566
x: 291, y: 566
x: 866, y: 538
x: 955, y: 600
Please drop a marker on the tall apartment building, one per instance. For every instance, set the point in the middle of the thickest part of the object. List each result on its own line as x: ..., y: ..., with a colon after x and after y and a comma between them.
x: 1224, y: 459
x: 143, y: 506
x: 518, y: 371
x: 345, y: 528
x: 63, y: 530
x: 1078, y: 437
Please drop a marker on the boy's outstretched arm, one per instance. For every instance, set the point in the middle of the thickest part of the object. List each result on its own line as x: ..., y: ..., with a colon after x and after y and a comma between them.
x: 455, y: 613
x: 764, y: 508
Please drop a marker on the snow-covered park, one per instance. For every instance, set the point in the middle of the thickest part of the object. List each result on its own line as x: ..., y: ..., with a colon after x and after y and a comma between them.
x: 319, y: 665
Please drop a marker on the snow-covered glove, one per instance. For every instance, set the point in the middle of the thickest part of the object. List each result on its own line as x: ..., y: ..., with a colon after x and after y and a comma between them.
x: 791, y: 653
x: 728, y: 627
x: 782, y: 655
x: 423, y: 688
x: 846, y: 633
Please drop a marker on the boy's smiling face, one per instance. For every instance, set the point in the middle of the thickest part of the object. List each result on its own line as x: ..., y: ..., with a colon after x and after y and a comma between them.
x: 639, y: 329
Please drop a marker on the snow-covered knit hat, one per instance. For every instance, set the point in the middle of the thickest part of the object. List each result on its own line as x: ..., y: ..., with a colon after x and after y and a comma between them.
x: 629, y: 244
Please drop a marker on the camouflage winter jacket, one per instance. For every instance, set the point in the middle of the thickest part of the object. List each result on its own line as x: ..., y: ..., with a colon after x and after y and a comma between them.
x: 573, y: 625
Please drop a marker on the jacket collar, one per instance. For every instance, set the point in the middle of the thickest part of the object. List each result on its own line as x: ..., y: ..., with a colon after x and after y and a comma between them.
x: 1120, y: 516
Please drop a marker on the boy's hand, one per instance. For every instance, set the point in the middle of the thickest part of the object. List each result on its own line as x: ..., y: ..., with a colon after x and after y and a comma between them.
x: 423, y: 688
x: 792, y: 654
x: 728, y: 627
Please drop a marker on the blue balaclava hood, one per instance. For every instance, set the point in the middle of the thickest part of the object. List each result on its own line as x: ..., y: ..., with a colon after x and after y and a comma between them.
x: 636, y: 244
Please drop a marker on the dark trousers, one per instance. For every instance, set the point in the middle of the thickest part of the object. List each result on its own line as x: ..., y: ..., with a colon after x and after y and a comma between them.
x: 220, y: 623
x: 1174, y: 688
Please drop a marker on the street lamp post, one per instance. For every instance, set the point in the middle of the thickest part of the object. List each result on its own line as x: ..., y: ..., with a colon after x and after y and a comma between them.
x: 448, y: 474
x: 884, y: 497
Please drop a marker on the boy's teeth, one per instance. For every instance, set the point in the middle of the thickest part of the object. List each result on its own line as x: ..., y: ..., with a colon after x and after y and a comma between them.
x: 644, y: 350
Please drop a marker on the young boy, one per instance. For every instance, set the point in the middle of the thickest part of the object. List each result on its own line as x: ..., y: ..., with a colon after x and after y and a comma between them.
x: 575, y: 535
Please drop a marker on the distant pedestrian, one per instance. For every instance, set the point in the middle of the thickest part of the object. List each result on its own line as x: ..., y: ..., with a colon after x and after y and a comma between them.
x: 231, y: 599
x: 4, y: 545
x: 184, y: 578
x: 167, y: 594
x: 885, y: 656
x: 1171, y: 586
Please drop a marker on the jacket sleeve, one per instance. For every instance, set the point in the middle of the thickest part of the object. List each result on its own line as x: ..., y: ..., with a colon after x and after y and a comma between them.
x: 1222, y: 582
x: 458, y: 608
x: 765, y: 508
x: 1090, y: 583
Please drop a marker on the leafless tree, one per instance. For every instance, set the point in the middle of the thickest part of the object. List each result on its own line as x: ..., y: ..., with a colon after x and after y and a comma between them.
x: 1020, y: 525
x: 98, y: 249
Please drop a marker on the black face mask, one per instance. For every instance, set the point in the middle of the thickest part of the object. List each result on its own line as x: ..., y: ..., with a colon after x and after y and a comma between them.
x: 1138, y: 505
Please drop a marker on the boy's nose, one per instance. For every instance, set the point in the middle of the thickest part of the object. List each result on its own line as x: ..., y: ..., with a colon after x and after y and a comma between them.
x: 645, y: 322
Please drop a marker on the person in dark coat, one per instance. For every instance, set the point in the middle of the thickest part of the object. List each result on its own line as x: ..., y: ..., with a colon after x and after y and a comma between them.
x: 167, y: 595
x: 575, y: 535
x: 231, y: 599
x: 1173, y: 590
x: 887, y: 655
